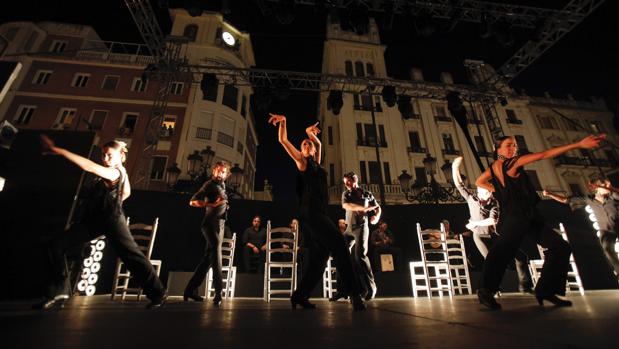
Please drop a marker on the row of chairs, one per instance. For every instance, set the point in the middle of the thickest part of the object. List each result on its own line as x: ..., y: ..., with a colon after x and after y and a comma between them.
x: 442, y: 270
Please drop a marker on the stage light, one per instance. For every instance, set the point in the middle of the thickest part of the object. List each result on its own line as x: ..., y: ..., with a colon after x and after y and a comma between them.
x: 88, y: 262
x: 95, y: 267
x: 85, y: 273
x: 335, y: 102
x: 405, y: 107
x: 97, y: 256
x: 284, y: 11
x: 93, y: 278
x: 2, y: 181
x: 100, y: 245
x: 90, y: 290
x: 592, y: 218
x: 81, y: 286
x: 389, y: 96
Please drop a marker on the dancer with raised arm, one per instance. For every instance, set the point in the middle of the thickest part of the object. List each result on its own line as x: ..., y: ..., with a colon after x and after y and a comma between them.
x: 519, y: 216
x: 212, y: 197
x: 103, y: 216
x: 605, y: 205
x: 484, y: 212
x: 313, y: 198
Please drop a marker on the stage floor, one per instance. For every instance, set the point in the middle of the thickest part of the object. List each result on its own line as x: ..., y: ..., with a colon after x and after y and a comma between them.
x: 98, y: 322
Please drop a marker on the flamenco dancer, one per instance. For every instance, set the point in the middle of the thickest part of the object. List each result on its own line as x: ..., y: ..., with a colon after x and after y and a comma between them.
x: 104, y: 216
x: 519, y: 216
x: 313, y: 197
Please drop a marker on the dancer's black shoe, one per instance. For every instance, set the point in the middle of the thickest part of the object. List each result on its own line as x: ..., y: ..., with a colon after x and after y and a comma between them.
x: 50, y: 303
x: 158, y: 302
x: 193, y: 296
x: 357, y: 303
x: 217, y: 299
x: 337, y: 297
x: 554, y: 299
x: 370, y: 295
x: 301, y: 301
x: 487, y: 299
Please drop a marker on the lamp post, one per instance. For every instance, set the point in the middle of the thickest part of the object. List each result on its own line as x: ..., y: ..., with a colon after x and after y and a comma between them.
x: 193, y: 164
x: 236, y: 176
x: 172, y: 173
x: 426, y: 192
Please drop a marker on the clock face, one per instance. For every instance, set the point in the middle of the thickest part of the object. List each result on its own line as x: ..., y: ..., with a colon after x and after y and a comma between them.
x: 228, y: 38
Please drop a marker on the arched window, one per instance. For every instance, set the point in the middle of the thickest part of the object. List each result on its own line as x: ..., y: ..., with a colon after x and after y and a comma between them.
x: 359, y: 69
x: 190, y: 32
x: 349, y: 71
x: 369, y: 67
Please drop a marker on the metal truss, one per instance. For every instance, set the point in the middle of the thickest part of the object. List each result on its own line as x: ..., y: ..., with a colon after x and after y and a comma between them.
x: 462, y: 10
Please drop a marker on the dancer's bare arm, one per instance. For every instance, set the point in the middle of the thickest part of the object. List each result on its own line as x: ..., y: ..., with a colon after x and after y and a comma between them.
x: 312, y: 132
x: 554, y: 196
x: 484, y: 181
x: 295, y: 154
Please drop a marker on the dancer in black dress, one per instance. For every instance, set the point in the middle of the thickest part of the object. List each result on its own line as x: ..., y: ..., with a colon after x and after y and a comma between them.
x: 313, y: 198
x: 103, y: 216
x: 519, y: 216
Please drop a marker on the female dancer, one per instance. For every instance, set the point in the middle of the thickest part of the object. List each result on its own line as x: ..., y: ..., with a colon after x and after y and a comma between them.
x: 213, y: 198
x: 519, y: 216
x: 104, y: 216
x: 313, y: 197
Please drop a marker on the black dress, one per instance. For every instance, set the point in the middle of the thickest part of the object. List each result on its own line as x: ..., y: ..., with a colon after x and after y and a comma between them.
x: 519, y: 216
x: 324, y: 235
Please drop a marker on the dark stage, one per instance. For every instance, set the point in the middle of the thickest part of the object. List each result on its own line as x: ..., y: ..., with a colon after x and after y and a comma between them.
x: 98, y: 322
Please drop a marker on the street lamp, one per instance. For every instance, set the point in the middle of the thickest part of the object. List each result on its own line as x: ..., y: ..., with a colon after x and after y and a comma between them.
x: 236, y: 176
x: 426, y: 192
x: 193, y: 164
x: 207, y: 156
x: 172, y: 173
x: 446, y: 168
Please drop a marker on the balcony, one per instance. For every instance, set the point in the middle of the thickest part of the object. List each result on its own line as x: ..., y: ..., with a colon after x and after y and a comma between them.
x: 377, y: 108
x: 485, y: 153
x: 109, y: 52
x: 514, y: 121
x: 225, y: 139
x: 393, y: 193
x: 420, y: 150
x: 370, y: 142
x: 475, y: 121
x: 442, y: 118
x: 450, y: 152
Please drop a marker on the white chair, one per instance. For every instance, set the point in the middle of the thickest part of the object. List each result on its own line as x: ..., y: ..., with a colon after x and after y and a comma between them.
x: 432, y: 274
x: 458, y: 265
x: 144, y: 235
x: 329, y: 280
x: 573, y: 284
x: 282, y: 274
x: 228, y: 270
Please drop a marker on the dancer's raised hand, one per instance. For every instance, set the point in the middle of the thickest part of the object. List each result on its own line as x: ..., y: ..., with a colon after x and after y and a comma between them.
x: 276, y: 119
x: 313, y: 129
x: 591, y: 141
x: 49, y: 148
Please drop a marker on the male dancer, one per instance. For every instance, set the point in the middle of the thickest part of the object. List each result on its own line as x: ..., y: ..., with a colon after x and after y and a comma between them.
x: 484, y: 212
x: 212, y: 196
x: 605, y: 205
x: 359, y: 204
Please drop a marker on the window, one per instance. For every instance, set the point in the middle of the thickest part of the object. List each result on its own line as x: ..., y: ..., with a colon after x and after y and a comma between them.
x: 575, y: 189
x: 158, y: 167
x: 370, y: 134
x: 356, y: 103
x: 203, y: 133
x: 110, y: 82
x: 239, y: 147
x: 24, y: 114
x: 80, y: 80
x: 448, y: 142
x: 226, y: 131
x: 330, y: 135
x: 243, y: 106
x: 190, y: 32
x: 440, y: 113
x: 65, y: 118
x: 331, y: 174
x: 480, y: 144
x: 377, y: 105
x: 370, y: 69
x: 209, y: 86
x: 231, y: 94
x: 522, y: 144
x: 139, y: 85
x: 11, y: 33
x: 30, y: 42
x: 97, y: 119
x: 547, y: 122
x: 127, y: 127
x: 381, y: 134
x: 387, y: 173
x: 375, y: 175
x: 176, y: 88
x: 362, y: 170
x: 168, y: 126
x: 571, y: 125
x: 359, y: 134
x: 359, y: 69
x: 42, y: 77
x: 58, y: 46
x: 596, y: 126
x: 511, y: 115
x: 415, y: 141
x: 348, y: 68
x: 250, y: 144
x: 421, y: 176
x: 366, y: 102
x: 534, y: 179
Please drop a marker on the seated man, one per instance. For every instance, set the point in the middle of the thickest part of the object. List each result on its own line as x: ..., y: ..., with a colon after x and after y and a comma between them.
x: 382, y: 241
x: 254, y: 246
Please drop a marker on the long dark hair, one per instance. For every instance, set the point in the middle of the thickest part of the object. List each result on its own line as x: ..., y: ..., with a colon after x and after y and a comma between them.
x: 497, y: 144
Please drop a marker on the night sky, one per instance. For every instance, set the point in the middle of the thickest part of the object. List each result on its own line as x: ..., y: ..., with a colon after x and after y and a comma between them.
x: 584, y: 63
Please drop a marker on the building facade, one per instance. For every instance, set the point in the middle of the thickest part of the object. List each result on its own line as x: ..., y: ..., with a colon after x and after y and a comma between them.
x: 349, y: 138
x: 72, y: 80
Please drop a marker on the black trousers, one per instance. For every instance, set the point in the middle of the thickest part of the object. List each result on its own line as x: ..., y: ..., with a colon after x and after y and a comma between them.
x: 608, y: 239
x: 119, y: 237
x: 212, y: 256
x: 360, y: 260
x: 521, y: 259
x: 325, y: 239
x: 253, y: 262
x: 512, y: 230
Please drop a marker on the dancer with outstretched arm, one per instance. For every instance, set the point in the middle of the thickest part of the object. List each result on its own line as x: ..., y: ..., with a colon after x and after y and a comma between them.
x: 313, y: 198
x: 103, y: 216
x: 519, y: 216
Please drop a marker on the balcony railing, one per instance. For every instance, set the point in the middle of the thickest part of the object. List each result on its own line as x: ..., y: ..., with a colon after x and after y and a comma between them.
x: 475, y: 121
x: 514, y: 121
x: 442, y: 118
x: 225, y: 139
x: 450, y: 152
x: 420, y: 150
x: 370, y: 142
x: 377, y: 108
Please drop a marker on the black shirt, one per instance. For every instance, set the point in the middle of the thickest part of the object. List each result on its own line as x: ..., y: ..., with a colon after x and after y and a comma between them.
x: 517, y: 197
x: 358, y: 196
x: 479, y: 211
x: 210, y: 191
x: 256, y: 238
x: 312, y: 188
x: 605, y: 212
